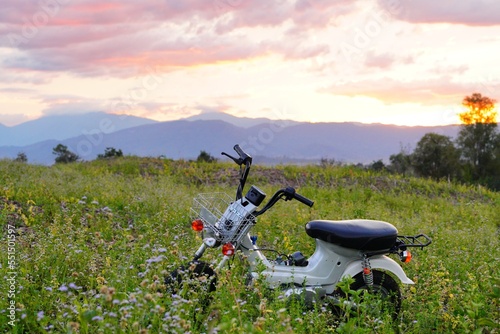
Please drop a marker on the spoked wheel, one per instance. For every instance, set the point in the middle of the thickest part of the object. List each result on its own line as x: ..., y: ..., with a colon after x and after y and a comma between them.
x: 385, y: 292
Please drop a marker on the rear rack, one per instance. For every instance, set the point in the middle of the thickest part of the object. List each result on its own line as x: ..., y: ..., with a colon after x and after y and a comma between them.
x: 403, y: 242
x: 420, y: 240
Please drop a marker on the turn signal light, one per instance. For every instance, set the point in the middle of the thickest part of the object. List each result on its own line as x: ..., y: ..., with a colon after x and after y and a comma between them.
x: 197, y: 225
x: 405, y: 256
x: 228, y: 249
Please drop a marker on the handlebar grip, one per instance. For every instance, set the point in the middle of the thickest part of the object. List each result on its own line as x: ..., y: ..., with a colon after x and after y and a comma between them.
x: 303, y: 200
x: 241, y: 153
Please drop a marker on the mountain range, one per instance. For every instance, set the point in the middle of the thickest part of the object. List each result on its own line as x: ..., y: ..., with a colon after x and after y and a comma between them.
x: 268, y: 141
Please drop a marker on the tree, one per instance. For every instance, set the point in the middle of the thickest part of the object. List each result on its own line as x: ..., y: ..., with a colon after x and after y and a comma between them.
x: 110, y: 152
x: 377, y: 166
x: 477, y: 138
x: 21, y: 157
x: 435, y: 156
x: 63, y: 155
x: 401, y: 162
x: 205, y: 157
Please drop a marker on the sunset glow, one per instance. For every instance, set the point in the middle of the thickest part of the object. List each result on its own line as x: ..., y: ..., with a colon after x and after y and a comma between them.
x: 394, y: 62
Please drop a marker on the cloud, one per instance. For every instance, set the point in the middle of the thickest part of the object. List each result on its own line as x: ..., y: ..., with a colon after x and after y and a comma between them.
x: 13, y: 119
x: 72, y: 107
x: 438, y: 91
x: 381, y: 60
x: 467, y: 12
x: 120, y: 38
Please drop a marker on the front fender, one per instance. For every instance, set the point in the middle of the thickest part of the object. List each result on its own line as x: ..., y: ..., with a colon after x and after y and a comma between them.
x: 384, y: 263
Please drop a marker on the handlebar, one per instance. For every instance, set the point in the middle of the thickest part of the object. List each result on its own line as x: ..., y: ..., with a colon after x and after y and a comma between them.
x: 303, y: 200
x: 244, y: 158
x: 287, y: 194
x: 243, y: 155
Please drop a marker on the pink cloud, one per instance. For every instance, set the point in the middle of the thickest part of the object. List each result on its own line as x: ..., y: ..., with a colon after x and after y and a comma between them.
x: 381, y: 60
x: 93, y: 38
x: 438, y: 91
x: 467, y: 12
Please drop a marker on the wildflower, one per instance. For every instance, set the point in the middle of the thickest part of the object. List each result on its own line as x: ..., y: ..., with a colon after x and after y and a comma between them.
x: 63, y: 288
x: 74, y: 286
x: 48, y: 289
x: 155, y: 259
x: 75, y: 326
x: 100, y: 280
x: 104, y: 290
x: 162, y: 250
x: 40, y: 315
x: 97, y: 318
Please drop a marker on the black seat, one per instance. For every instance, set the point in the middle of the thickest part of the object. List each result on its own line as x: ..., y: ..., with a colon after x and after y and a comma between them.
x: 366, y: 235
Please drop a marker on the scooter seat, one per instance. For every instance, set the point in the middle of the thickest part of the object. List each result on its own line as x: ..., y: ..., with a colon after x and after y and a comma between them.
x: 362, y: 234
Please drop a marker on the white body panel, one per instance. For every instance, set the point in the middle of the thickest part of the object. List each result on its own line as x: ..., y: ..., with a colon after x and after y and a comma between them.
x: 326, y: 267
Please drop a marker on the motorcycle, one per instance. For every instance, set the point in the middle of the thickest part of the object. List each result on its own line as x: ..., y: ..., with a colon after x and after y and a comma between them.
x: 348, y: 248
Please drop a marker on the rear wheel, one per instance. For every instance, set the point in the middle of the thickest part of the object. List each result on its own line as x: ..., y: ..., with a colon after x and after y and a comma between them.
x: 385, y: 290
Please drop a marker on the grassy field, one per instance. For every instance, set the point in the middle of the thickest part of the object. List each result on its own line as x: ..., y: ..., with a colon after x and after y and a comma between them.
x: 89, y: 244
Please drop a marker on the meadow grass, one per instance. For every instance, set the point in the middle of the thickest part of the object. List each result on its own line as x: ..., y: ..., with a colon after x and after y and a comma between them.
x: 93, y: 241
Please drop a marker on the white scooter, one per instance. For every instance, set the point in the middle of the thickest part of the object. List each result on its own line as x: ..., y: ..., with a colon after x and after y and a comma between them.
x: 355, y: 248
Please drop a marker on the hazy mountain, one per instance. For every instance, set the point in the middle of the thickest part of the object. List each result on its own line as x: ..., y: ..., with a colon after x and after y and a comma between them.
x: 243, y: 122
x: 347, y: 142
x: 61, y: 127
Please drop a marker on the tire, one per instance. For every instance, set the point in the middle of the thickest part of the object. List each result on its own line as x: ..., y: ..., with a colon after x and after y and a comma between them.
x: 195, y: 282
x: 385, y: 286
x: 196, y: 275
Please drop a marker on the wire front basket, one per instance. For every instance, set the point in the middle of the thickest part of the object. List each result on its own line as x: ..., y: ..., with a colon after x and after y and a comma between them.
x: 228, y: 220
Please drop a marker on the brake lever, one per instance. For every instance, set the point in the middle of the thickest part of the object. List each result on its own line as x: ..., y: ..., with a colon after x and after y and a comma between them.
x: 238, y: 161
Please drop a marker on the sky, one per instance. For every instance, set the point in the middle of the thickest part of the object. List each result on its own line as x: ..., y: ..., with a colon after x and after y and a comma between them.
x: 403, y: 62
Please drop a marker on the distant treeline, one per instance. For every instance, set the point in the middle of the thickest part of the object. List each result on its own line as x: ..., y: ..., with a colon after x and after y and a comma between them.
x: 472, y: 157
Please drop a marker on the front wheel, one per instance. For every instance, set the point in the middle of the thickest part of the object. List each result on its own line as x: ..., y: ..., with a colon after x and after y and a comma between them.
x: 385, y: 294
x: 196, y: 276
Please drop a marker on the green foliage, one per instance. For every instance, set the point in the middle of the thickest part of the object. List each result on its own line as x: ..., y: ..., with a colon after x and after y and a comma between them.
x: 479, y: 140
x: 64, y: 155
x: 475, y: 159
x: 110, y: 152
x: 377, y: 166
x: 435, y: 156
x: 205, y: 157
x: 94, y: 241
x: 21, y: 157
x: 401, y: 163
